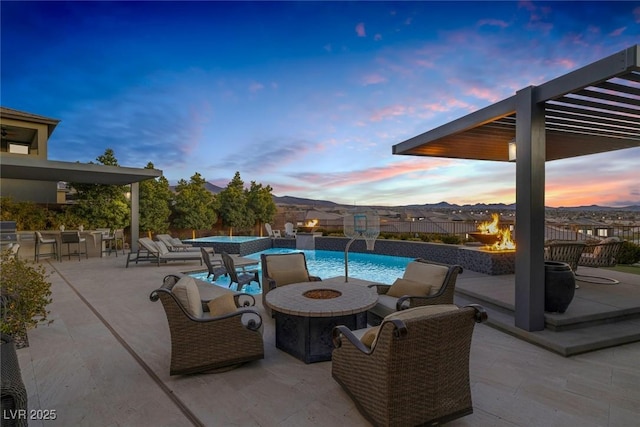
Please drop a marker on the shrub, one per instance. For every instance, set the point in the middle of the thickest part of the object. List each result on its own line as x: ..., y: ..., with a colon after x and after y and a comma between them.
x: 629, y: 253
x: 24, y: 297
x: 451, y: 239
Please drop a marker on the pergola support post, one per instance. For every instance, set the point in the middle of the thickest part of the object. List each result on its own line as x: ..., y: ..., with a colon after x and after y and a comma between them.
x: 135, y: 215
x: 530, y: 212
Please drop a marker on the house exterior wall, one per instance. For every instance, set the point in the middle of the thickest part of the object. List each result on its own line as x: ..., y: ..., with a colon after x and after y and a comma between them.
x: 29, y: 191
x: 38, y: 144
x: 36, y: 135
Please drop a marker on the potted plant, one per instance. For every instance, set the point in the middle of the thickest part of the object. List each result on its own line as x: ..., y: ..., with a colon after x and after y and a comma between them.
x: 25, y: 294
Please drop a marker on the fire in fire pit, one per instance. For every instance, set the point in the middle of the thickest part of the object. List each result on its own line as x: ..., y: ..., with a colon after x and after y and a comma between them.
x: 309, y: 226
x: 495, y: 238
x: 322, y: 294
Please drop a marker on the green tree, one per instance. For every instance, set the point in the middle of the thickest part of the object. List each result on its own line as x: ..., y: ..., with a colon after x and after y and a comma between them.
x: 260, y: 203
x: 233, y: 208
x: 27, y: 215
x: 195, y: 206
x: 155, y: 204
x: 102, y: 205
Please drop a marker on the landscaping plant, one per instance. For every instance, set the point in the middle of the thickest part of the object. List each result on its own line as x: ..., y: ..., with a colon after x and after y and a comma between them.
x: 25, y: 294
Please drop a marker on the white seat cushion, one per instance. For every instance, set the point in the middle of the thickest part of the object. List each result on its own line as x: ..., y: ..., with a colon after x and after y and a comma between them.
x: 287, y: 269
x: 429, y: 274
x: 162, y: 248
x: 385, y: 306
x: 426, y: 310
x: 186, y: 290
x: 402, y: 287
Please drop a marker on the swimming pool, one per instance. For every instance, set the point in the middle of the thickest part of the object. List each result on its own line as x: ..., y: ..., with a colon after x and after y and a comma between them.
x: 241, y: 245
x: 325, y: 264
x: 225, y: 239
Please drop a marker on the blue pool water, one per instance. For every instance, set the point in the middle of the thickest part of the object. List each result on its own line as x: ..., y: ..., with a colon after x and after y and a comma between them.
x: 225, y: 239
x: 325, y: 264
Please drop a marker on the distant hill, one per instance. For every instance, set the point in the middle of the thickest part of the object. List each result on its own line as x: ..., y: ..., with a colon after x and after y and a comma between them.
x: 301, y: 201
x: 213, y: 188
x: 290, y: 200
x: 633, y: 208
x: 209, y: 186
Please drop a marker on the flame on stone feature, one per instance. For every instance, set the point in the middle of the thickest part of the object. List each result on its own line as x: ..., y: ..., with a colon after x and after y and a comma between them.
x: 490, y: 227
x: 505, y: 242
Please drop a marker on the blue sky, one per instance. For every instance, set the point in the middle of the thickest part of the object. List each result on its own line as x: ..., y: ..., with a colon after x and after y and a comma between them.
x: 308, y: 97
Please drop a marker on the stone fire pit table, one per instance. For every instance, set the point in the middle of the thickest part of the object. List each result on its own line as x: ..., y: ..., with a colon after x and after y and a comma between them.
x: 307, y: 312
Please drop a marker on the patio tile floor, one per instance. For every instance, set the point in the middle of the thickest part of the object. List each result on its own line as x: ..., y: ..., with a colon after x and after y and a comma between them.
x: 104, y: 361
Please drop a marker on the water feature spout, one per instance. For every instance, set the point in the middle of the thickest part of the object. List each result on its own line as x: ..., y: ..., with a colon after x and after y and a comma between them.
x: 346, y: 260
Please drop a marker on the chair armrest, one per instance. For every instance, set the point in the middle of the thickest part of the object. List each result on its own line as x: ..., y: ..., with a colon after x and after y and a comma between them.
x: 250, y: 318
x: 409, y: 301
x: 481, y: 313
x: 270, y: 285
x: 380, y: 289
x: 241, y: 299
x: 341, y: 331
x: 244, y: 300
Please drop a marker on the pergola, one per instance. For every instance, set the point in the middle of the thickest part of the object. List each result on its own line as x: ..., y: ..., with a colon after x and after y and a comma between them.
x: 591, y: 110
x: 28, y: 168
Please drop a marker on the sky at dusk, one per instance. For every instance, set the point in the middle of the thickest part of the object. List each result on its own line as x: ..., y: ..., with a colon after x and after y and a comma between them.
x: 308, y: 97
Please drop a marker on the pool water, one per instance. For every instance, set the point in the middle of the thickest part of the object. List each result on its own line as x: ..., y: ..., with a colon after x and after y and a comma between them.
x: 325, y: 264
x: 225, y: 239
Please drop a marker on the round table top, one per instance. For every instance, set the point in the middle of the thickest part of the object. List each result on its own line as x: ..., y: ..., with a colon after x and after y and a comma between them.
x: 290, y: 299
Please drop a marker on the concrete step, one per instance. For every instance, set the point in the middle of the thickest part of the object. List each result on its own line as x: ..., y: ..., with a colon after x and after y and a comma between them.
x: 589, y: 336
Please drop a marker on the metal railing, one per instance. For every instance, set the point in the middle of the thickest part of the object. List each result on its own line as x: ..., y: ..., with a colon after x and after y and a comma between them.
x: 553, y: 230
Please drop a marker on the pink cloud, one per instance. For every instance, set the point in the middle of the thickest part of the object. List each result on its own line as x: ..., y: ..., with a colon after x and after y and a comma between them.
x: 617, y: 32
x: 377, y: 37
x: 636, y: 14
x: 493, y: 23
x: 388, y: 112
x: 370, y: 175
x: 255, y: 87
x: 596, y: 185
x: 483, y: 93
x: 373, y: 79
x: 424, y: 63
x: 360, y: 31
x: 563, y: 62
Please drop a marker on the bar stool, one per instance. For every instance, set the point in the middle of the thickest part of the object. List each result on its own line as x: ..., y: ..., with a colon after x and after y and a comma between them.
x: 107, y: 240
x: 118, y: 236
x: 42, y: 241
x: 70, y: 237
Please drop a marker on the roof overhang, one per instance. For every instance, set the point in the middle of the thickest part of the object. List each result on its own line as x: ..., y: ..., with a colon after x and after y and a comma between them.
x: 28, y: 168
x: 22, y: 116
x: 591, y: 110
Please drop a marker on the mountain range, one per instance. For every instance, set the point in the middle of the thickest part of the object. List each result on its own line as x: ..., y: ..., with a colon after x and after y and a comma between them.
x: 301, y: 201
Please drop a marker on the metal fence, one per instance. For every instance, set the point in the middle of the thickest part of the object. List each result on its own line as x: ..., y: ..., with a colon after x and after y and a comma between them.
x: 553, y: 230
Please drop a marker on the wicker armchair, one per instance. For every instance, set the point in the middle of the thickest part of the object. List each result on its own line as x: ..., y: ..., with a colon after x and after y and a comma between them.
x: 416, y: 373
x: 210, y: 343
x: 602, y: 254
x: 281, y: 270
x: 564, y: 251
x: 14, y: 394
x: 421, y: 271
